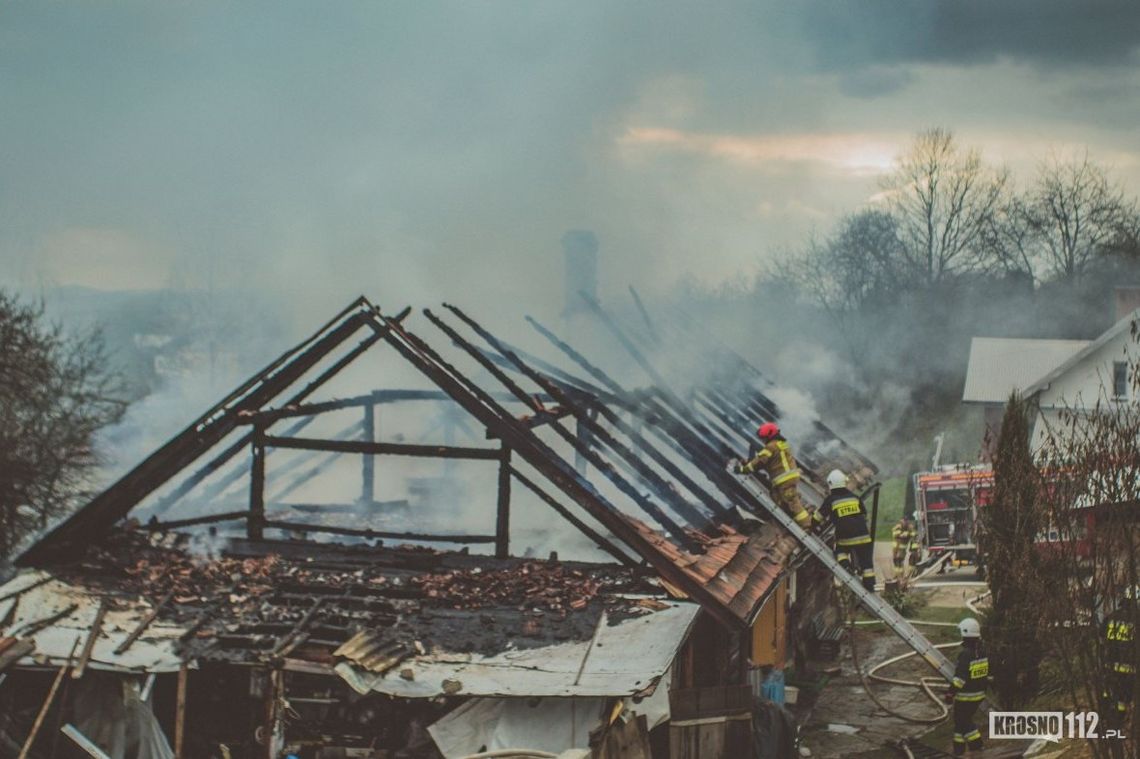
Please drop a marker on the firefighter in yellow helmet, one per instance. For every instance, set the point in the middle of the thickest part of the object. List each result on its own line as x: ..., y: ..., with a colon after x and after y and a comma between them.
x: 776, y: 459
x: 903, y: 534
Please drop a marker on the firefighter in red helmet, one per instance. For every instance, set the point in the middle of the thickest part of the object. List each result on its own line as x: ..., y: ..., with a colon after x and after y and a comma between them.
x: 776, y: 459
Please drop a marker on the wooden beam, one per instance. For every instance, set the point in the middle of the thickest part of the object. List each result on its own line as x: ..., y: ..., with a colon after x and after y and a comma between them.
x: 503, y: 514
x: 537, y: 420
x: 89, y: 646
x: 180, y: 712
x: 548, y: 462
x: 255, y: 523
x: 48, y: 701
x: 368, y: 463
x: 174, y: 524
x: 143, y: 624
x: 378, y: 449
x: 366, y: 533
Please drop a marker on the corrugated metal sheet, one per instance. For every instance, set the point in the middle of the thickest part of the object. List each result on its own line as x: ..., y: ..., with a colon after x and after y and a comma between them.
x: 738, y: 569
x: 1000, y: 365
x: 621, y: 659
x: 153, y: 652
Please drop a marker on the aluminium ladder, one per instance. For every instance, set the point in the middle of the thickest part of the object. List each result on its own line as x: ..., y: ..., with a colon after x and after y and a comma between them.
x: 869, y: 600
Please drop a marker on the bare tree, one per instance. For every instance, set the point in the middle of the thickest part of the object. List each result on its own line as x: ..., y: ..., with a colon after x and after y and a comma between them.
x: 56, y: 393
x: 1076, y: 214
x: 1092, y: 465
x: 846, y: 273
x: 943, y: 198
x: 1008, y: 241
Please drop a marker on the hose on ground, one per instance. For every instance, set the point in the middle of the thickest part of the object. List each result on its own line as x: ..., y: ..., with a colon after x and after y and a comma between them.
x: 970, y: 604
x: 923, y: 683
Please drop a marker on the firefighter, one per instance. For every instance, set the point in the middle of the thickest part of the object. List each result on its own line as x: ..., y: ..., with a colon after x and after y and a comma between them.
x: 777, y: 460
x: 843, y: 509
x: 1118, y: 633
x: 903, y: 534
x: 968, y: 687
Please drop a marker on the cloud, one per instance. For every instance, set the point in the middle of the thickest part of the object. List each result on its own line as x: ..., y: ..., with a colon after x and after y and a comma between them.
x: 875, y: 81
x: 848, y: 153
x: 438, y: 150
x: 1094, y: 33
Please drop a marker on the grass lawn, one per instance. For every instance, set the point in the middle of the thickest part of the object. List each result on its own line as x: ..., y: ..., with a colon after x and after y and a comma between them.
x: 891, y: 500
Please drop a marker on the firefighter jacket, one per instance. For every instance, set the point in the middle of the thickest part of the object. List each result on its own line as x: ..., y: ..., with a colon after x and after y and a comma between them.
x: 902, y: 535
x: 777, y: 460
x: 971, y: 674
x: 1119, y: 646
x: 843, y: 509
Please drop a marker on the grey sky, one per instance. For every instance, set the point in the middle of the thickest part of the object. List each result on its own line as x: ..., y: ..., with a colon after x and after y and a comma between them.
x: 423, y: 151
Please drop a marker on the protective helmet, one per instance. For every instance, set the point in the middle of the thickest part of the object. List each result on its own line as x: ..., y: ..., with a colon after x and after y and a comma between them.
x: 836, y: 479
x: 768, y: 430
x: 969, y: 628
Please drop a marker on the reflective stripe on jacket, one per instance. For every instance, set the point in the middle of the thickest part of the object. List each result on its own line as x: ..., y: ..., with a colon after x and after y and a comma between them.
x: 971, y: 674
x: 777, y: 459
x: 843, y: 509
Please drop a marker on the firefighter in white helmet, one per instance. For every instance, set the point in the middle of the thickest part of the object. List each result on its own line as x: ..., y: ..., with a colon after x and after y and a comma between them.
x: 968, y: 687
x: 843, y: 509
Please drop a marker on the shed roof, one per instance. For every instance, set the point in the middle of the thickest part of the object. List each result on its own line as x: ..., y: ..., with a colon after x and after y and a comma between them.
x: 424, y: 609
x: 624, y: 657
x: 1000, y: 365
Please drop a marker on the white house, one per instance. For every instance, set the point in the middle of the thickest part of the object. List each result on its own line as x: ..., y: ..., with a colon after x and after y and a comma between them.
x: 1058, y: 374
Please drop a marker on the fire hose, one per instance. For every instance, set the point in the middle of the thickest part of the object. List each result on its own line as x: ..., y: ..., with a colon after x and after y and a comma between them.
x: 923, y: 682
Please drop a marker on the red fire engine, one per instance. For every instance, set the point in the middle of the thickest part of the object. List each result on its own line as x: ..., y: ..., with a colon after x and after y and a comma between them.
x: 946, y: 503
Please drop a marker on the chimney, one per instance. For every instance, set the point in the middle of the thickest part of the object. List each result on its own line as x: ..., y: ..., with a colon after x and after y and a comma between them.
x: 1125, y: 301
x: 580, y: 254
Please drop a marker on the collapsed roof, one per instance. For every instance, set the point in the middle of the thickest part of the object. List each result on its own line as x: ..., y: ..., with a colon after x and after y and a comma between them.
x: 402, y: 621
x: 641, y: 471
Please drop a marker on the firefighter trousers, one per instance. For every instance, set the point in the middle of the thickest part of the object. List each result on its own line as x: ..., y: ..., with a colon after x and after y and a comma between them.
x: 787, y: 497
x: 966, y: 735
x: 1118, y: 697
x: 863, y: 565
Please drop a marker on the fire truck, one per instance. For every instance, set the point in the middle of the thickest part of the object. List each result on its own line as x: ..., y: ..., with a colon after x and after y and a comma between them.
x: 946, y: 502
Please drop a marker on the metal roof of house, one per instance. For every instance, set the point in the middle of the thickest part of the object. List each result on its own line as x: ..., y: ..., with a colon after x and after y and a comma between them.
x: 1000, y: 365
x: 623, y: 658
x: 1087, y: 349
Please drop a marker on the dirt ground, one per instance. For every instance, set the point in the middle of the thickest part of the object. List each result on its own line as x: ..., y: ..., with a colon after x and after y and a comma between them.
x: 845, y: 722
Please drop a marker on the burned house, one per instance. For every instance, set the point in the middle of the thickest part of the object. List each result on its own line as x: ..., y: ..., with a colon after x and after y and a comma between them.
x: 297, y: 573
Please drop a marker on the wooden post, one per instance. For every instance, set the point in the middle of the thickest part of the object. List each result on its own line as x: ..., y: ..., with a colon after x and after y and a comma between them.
x: 47, y: 702
x: 255, y: 525
x: 92, y: 636
x: 180, y: 712
x: 368, y: 462
x: 275, y: 692
x: 503, y: 518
